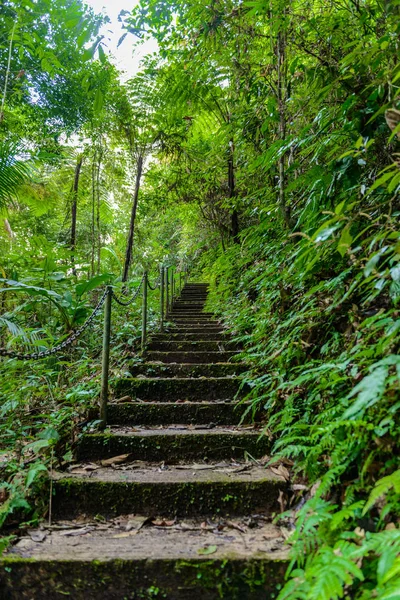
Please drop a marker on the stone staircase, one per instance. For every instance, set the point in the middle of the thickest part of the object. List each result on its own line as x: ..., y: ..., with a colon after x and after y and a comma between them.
x: 172, y: 500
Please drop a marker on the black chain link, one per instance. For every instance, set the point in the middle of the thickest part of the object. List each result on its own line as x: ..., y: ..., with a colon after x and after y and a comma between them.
x: 156, y: 283
x: 135, y: 295
x: 76, y: 334
x: 70, y: 340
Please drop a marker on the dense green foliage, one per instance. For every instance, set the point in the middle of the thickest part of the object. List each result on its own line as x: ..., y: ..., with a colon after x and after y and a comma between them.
x: 269, y: 134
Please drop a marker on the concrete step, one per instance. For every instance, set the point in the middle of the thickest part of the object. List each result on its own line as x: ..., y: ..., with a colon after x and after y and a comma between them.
x: 173, y: 445
x: 155, y: 369
x: 171, y: 389
x: 168, y: 413
x: 191, y: 357
x: 119, y: 559
x: 177, y: 345
x: 183, y: 490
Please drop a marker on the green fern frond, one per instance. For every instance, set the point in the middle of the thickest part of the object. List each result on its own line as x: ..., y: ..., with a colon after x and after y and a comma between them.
x: 382, y: 488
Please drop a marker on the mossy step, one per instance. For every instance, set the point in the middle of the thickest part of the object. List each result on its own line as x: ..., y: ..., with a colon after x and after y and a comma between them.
x: 153, y: 562
x: 176, y: 345
x: 154, y: 369
x: 186, y: 388
x: 188, y: 328
x: 192, y: 322
x: 191, y: 357
x: 188, y: 304
x: 168, y: 413
x: 171, y: 444
x: 190, y: 312
x: 203, y: 336
x: 179, y: 491
x: 201, y: 296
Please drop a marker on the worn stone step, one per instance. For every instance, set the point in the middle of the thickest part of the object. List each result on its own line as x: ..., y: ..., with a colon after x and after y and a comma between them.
x: 191, y: 298
x: 202, y: 336
x: 190, y: 322
x: 191, y: 357
x: 190, y: 304
x: 184, y: 490
x: 187, y: 312
x: 172, y: 445
x: 112, y: 563
x: 171, y: 389
x: 168, y: 413
x: 213, y: 334
x: 196, y: 329
x: 187, y: 316
x: 155, y: 369
x: 177, y: 345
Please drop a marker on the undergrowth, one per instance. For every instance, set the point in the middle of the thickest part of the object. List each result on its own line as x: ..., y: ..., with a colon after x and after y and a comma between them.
x: 44, y: 404
x: 320, y: 328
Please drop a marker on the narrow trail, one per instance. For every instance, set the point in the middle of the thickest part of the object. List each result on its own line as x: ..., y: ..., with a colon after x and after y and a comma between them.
x: 163, y: 504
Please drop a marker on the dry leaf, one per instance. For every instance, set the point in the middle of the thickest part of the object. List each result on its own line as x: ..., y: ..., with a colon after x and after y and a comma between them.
x: 38, y: 536
x: 237, y: 526
x: 74, y: 532
x: 115, y: 460
x: 281, y: 471
x: 136, y: 523
x: 162, y: 523
x: 123, y: 399
x: 282, y: 501
x: 126, y: 534
x: 392, y: 116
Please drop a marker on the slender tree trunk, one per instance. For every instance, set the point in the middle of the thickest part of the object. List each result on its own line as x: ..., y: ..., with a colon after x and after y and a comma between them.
x: 232, y: 193
x: 129, y: 244
x: 93, y: 232
x: 74, y: 210
x: 98, y: 211
x: 282, y: 97
x: 3, y: 100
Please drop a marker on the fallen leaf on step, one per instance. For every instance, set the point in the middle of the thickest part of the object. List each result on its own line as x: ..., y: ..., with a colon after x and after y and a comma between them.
x: 83, y: 469
x: 207, y: 550
x: 282, y: 500
x: 272, y: 534
x: 286, y: 533
x: 281, y: 471
x: 74, y: 532
x: 162, y: 523
x: 237, y: 526
x: 136, y: 523
x: 126, y: 534
x: 115, y: 460
x: 38, y: 536
x: 123, y: 399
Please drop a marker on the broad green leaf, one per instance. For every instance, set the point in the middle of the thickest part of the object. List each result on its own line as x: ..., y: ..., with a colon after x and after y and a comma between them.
x: 345, y: 241
x: 98, y: 101
x: 91, y: 284
x: 33, y: 472
x: 207, y: 550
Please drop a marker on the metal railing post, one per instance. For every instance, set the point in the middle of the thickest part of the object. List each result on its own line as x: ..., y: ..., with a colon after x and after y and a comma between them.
x: 172, y: 287
x: 162, y: 281
x: 106, y: 357
x: 167, y: 290
x: 144, y: 312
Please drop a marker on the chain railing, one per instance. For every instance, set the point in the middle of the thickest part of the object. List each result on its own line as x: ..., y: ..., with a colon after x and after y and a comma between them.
x: 169, y: 289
